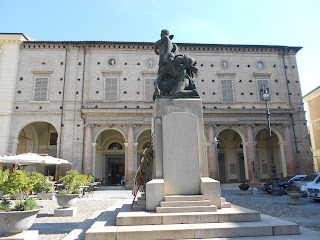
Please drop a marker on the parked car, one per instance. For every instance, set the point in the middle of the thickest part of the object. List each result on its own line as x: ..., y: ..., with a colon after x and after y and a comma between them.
x: 283, y: 182
x: 314, y: 190
x: 307, y: 181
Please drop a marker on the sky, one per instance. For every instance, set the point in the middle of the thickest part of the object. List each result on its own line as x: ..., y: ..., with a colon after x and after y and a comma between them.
x: 258, y: 22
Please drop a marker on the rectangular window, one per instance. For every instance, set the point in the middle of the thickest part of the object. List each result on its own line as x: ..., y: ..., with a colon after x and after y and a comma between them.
x: 53, y: 138
x: 227, y: 91
x: 111, y: 89
x: 148, y: 89
x: 260, y: 83
x: 41, y: 89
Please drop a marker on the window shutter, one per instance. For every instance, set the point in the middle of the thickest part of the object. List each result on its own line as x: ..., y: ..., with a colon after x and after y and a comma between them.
x: 111, y: 89
x: 149, y: 89
x: 227, y: 90
x: 41, y: 89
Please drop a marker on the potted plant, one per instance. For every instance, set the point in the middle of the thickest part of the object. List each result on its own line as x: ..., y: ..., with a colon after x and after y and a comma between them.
x: 295, y: 193
x: 72, y: 181
x: 20, y: 216
x: 3, y: 178
x: 244, y: 186
x: 44, y: 187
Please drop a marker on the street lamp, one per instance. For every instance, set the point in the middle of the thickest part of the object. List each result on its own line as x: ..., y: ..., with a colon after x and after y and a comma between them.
x: 266, y: 96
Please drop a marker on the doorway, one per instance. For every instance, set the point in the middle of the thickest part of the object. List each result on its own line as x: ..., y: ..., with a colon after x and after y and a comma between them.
x: 242, y: 173
x: 222, y: 168
x: 115, y: 169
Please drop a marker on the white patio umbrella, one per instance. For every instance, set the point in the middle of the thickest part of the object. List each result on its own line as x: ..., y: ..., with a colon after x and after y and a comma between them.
x: 32, y: 159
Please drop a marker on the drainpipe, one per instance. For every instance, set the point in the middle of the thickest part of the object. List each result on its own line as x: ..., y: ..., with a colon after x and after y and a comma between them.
x: 63, y: 94
x: 81, y: 106
x: 291, y: 114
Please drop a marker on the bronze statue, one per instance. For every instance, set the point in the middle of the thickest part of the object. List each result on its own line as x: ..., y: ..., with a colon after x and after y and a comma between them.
x: 175, y: 73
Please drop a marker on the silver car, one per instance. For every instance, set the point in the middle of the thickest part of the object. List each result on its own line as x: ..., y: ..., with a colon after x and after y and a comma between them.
x: 305, y: 182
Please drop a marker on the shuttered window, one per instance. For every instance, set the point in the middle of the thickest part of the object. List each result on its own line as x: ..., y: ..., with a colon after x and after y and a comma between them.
x: 111, y: 89
x: 260, y: 83
x: 148, y: 89
x: 41, y: 89
x: 227, y: 91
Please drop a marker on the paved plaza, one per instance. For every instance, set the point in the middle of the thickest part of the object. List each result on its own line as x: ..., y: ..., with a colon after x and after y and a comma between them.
x: 91, y: 212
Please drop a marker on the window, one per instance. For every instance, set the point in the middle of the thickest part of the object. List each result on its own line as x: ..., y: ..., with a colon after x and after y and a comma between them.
x: 227, y: 91
x: 115, y: 146
x: 53, y: 138
x: 111, y: 89
x: 148, y: 89
x: 260, y: 83
x: 41, y: 89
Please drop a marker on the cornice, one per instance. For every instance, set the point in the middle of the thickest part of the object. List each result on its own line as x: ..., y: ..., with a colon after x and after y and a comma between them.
x: 205, y: 47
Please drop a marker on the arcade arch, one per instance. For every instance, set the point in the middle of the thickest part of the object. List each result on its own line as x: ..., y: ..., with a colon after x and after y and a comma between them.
x: 263, y: 154
x: 109, y: 155
x: 231, y: 161
x: 41, y: 138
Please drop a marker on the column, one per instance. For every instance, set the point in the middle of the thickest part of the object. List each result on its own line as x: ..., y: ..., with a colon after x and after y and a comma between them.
x: 130, y: 160
x: 135, y: 157
x: 289, y: 152
x: 15, y: 145
x: 94, y: 159
x: 250, y: 154
x: 212, y: 154
x: 87, y: 156
x: 283, y: 169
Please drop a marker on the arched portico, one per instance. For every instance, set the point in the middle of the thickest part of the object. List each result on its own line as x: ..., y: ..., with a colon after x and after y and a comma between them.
x: 263, y: 153
x: 232, y: 164
x: 109, y: 156
x: 38, y: 137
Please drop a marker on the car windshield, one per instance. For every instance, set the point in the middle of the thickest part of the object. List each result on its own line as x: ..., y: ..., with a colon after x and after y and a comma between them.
x: 309, y: 178
x: 285, y: 179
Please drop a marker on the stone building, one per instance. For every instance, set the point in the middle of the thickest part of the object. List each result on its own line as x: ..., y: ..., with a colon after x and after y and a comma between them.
x: 91, y: 103
x: 311, y: 100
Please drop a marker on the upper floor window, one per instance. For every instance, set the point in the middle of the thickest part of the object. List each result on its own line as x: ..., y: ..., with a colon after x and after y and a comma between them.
x: 41, y: 88
x: 148, y: 89
x: 227, y: 91
x: 111, y: 89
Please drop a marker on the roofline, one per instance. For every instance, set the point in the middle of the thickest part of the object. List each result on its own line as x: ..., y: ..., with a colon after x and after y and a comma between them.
x: 309, y: 93
x: 297, y: 48
x: 28, y: 39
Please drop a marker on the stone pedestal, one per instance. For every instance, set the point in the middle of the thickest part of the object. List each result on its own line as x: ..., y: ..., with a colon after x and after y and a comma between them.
x: 179, y: 150
x: 65, y: 212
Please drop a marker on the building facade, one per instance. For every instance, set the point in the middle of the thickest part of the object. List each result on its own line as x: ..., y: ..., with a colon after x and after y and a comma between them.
x: 311, y: 100
x: 91, y: 103
x: 9, y: 56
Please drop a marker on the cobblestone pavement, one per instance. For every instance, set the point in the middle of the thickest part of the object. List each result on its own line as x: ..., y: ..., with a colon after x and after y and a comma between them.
x: 276, y: 206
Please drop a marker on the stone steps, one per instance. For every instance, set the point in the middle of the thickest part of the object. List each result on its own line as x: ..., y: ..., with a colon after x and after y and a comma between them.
x: 234, y: 214
x: 192, y: 217
x: 211, y: 208
x: 268, y: 226
x: 185, y: 203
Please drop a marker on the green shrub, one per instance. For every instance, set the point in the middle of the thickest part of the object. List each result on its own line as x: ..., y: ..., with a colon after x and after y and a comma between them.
x: 73, y: 179
x: 5, y: 205
x: 18, y: 182
x: 26, y: 205
x: 4, y: 175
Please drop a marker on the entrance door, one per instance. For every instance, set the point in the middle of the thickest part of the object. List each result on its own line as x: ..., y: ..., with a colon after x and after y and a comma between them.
x: 242, y: 173
x: 222, y: 168
x: 115, y: 169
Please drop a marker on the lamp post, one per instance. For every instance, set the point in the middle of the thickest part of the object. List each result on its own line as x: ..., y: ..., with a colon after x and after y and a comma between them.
x: 266, y: 96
